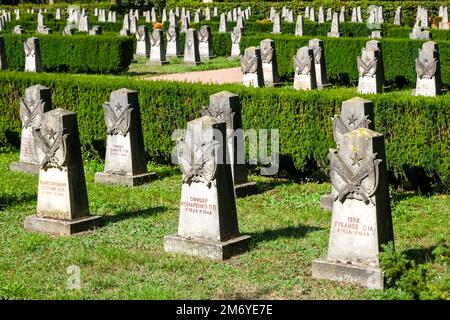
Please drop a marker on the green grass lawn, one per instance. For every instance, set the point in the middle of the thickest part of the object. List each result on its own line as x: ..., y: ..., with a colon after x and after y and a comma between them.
x: 125, y: 258
x: 140, y: 68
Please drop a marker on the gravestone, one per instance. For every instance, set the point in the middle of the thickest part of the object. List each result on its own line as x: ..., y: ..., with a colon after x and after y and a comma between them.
x: 3, y: 61
x: 354, y: 15
x: 358, y: 14
x: 157, y: 48
x: 205, y: 43
x: 329, y: 14
x: 153, y: 15
x: 334, y: 33
x: 361, y: 220
x: 321, y: 16
x: 370, y: 68
x: 173, y: 42
x: 197, y: 16
x: 251, y: 67
x: 191, y: 51
x: 33, y: 105
x: 133, y: 24
x: 428, y: 71
x: 375, y: 34
x: 444, y: 22
x: 84, y: 24
x: 276, y: 24
x: 269, y: 63
x: 184, y: 24
x: 418, y: 33
x: 142, y: 41
x: 125, y: 162
x: 68, y: 30
x: 62, y: 202
x: 173, y: 22
x: 398, y: 16
x: 95, y: 31
x: 307, y: 12
x: 355, y: 113
x: 58, y: 14
x: 304, y: 69
x: 312, y: 15
x: 164, y: 16
x: 32, y: 50
x: 215, y: 12
x: 319, y: 62
x: 240, y: 22
x: 207, y: 14
x: 208, y: 225
x: 236, y: 36
x: 226, y: 106
x: 342, y: 15
x: 299, y: 26
x: 223, y: 23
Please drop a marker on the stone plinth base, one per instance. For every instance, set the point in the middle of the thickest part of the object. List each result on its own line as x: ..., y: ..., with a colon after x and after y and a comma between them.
x: 367, y: 276
x: 245, y: 189
x: 24, y: 167
x: 275, y: 84
x: 60, y: 227
x: 326, y: 202
x: 192, y: 63
x: 207, y: 248
x: 131, y: 181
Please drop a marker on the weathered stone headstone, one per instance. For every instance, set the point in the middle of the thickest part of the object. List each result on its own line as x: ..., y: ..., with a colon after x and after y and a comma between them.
x: 355, y: 113
x: 354, y: 15
x: 32, y: 55
x: 342, y: 15
x: 191, y: 51
x: 215, y: 12
x: 370, y: 68
x: 84, y: 24
x: 419, y: 33
x: 236, y: 36
x: 375, y: 34
x: 307, y: 12
x: 197, y: 16
x: 269, y: 62
x: 205, y: 43
x: 334, y: 33
x: 3, y: 61
x: 428, y: 71
x: 251, y: 67
x: 95, y: 31
x: 58, y: 14
x: 68, y: 30
x: 173, y: 42
x: 312, y: 15
x: 299, y: 26
x: 398, y: 16
x: 173, y: 21
x: 62, y: 204
x: 321, y: 16
x: 125, y: 154
x: 133, y: 24
x: 422, y: 17
x: 359, y: 14
x: 329, y: 14
x: 304, y: 69
x: 240, y: 22
x: 361, y: 220
x: 184, y: 24
x: 226, y: 106
x: 208, y: 225
x: 164, y: 15
x: 33, y: 105
x: 142, y: 41
x: 157, y: 48
x: 444, y: 22
x: 223, y: 23
x: 319, y: 62
x: 276, y: 24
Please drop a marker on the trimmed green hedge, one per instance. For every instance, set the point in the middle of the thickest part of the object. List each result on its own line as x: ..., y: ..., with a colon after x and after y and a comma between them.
x: 340, y: 54
x: 415, y: 128
x: 77, y: 53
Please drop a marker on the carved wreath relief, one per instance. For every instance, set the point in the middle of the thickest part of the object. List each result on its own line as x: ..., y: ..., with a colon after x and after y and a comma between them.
x: 198, y: 160
x: 171, y: 35
x: 302, y: 64
x: 29, y: 48
x: 31, y: 112
x: 266, y: 52
x: 426, y: 66
x: 140, y: 34
x: 317, y: 51
x: 367, y: 66
x: 117, y: 118
x: 358, y: 181
x: 52, y: 143
x: 155, y: 39
x: 249, y: 63
x: 203, y: 35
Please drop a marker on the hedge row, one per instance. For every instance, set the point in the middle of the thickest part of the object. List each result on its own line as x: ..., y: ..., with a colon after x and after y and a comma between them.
x: 78, y: 53
x: 340, y: 54
x: 416, y: 128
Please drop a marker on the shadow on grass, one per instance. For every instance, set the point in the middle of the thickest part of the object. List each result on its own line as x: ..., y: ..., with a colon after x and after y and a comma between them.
x: 133, y: 214
x: 420, y: 255
x: 289, y: 232
x: 264, y: 186
x: 398, y: 196
x: 7, y: 200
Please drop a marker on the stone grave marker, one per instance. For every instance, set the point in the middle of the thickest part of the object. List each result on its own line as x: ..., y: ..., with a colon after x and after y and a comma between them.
x: 269, y: 63
x: 142, y: 41
x: 191, y: 50
x: 299, y: 26
x: 370, y: 68
x: 173, y: 42
x: 428, y: 71
x: 236, y: 36
x: 205, y: 43
x: 32, y: 50
x: 157, y: 48
x: 305, y: 73
x: 319, y: 62
x: 334, y: 33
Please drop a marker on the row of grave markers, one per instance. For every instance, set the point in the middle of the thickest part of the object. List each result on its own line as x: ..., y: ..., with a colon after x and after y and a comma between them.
x: 259, y: 68
x: 208, y: 226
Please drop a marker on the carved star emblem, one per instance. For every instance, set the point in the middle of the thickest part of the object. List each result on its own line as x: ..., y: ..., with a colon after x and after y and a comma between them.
x: 118, y: 107
x: 356, y: 159
x: 51, y: 134
x: 352, y: 120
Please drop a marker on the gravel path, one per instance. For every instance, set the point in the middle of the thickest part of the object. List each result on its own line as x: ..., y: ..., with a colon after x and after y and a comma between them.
x: 219, y: 76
